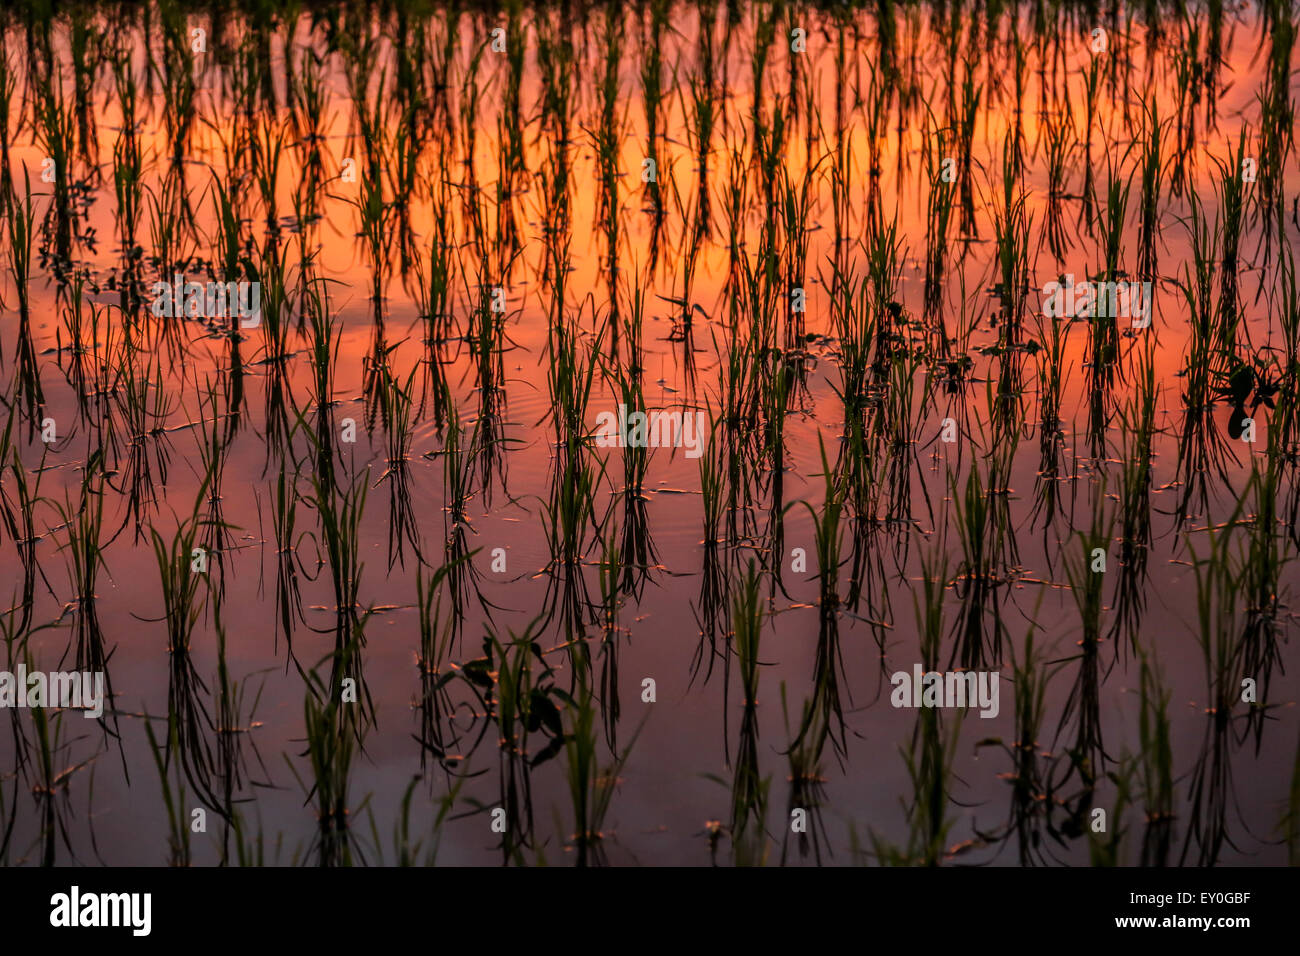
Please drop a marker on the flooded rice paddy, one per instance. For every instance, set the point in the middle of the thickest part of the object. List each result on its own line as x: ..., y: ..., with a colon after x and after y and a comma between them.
x: 573, y: 432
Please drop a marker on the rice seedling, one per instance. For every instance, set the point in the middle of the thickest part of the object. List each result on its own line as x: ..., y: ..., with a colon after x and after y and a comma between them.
x: 749, y: 789
x: 637, y: 555
x: 591, y: 787
x: 1232, y: 192
x: 1187, y: 69
x: 235, y: 723
x: 1201, y: 447
x: 1103, y: 329
x: 16, y: 652
x: 339, y: 514
x: 324, y: 346
x: 652, y: 97
x: 1058, y: 132
x: 710, y: 607
x: 128, y: 166
x: 51, y: 783
x: 611, y: 599
x: 84, y: 527
x: 982, y: 533
x: 965, y: 127
x: 1211, y: 781
x: 1260, y: 576
x: 1084, y: 568
x: 1107, y: 849
x: 807, y: 785
x: 8, y: 77
x: 173, y: 794
x: 56, y: 136
x: 828, y: 671
x: 404, y: 530
x: 929, y: 757
x: 1154, y: 128
x: 19, y: 513
x: 20, y: 225
x: 1052, y: 372
x: 939, y: 208
x: 1134, y: 509
x: 704, y: 111
x: 1091, y: 87
x: 176, y: 77
x: 433, y: 662
x: 433, y: 292
x: 333, y: 738
x: 185, y: 585
x: 520, y: 703
x: 1032, y: 801
x: 307, y: 96
x: 1277, y: 124
x: 1156, y: 755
